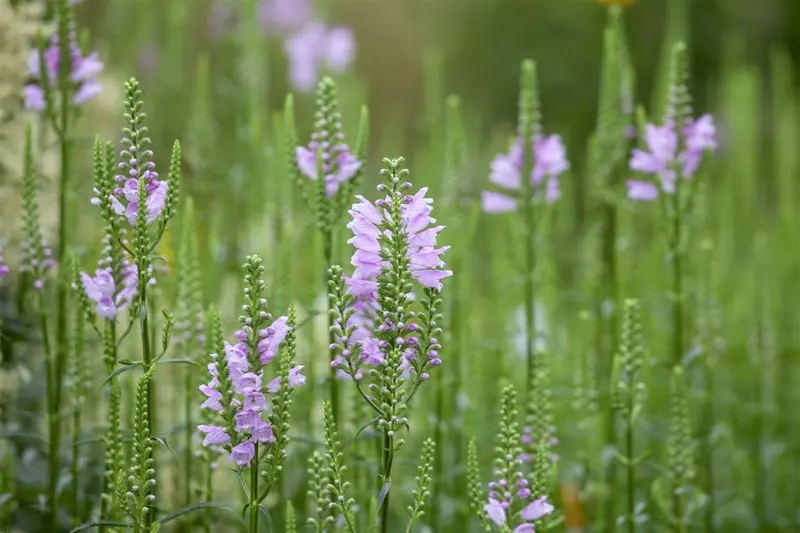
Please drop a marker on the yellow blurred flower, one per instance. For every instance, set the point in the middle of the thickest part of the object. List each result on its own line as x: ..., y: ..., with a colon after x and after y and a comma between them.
x: 617, y: 2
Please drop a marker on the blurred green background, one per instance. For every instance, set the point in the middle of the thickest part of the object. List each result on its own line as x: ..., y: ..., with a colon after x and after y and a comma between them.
x: 477, y: 46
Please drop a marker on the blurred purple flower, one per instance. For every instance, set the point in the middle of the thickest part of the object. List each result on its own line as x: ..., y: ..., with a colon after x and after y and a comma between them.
x: 663, y: 160
x: 284, y: 16
x: 83, y: 74
x: 148, y: 58
x: 549, y: 162
x: 316, y: 47
x: 338, y: 164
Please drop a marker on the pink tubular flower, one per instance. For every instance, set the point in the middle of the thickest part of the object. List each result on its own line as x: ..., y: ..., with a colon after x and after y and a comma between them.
x: 214, y: 435
x: 110, y: 298
x: 83, y: 74
x: 426, y: 265
x: 242, y: 454
x: 662, y: 159
x: 549, y: 162
x: 497, y: 513
x: 316, y: 46
x: 129, y: 192
x: 295, y: 379
x: 239, y: 385
x: 271, y: 338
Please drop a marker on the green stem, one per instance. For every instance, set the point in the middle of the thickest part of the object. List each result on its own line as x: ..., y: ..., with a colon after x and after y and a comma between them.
x: 677, y: 304
x: 630, y: 467
x: 106, y: 507
x: 147, y: 360
x: 386, y: 473
x: 61, y: 287
x: 254, y: 492
x: 708, y: 450
x: 438, y: 462
x: 209, y: 493
x: 52, y: 419
x: 327, y: 246
x: 189, y: 430
x: 76, y: 435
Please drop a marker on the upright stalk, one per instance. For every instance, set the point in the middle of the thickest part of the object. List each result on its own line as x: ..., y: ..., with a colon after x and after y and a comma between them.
x: 386, y: 477
x: 188, y: 408
x: 147, y: 361
x: 254, y: 503
x: 57, y: 368
x: 52, y: 418
x: 677, y: 295
x: 327, y: 247
x: 630, y: 466
x: 708, y: 450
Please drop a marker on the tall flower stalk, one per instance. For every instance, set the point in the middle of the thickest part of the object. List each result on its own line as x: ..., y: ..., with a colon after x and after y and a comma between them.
x: 63, y: 79
x: 238, y: 392
x: 674, y: 153
x: 628, y: 398
x: 137, y: 198
x: 36, y: 262
x: 530, y: 170
x: 335, y: 170
x: 379, y: 340
x: 108, y: 294
x: 510, y: 492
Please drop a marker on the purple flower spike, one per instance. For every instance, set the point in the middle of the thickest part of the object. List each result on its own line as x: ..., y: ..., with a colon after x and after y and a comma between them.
x: 549, y: 162
x: 662, y: 160
x: 83, y: 75
x: 315, y: 47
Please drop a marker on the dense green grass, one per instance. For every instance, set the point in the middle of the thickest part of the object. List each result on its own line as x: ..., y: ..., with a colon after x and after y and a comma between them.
x: 714, y: 415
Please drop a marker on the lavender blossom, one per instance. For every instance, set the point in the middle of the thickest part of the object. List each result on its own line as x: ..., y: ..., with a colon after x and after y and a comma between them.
x: 237, y: 391
x: 327, y: 152
x: 549, y: 162
x: 83, y: 74
x: 282, y: 16
x: 368, y: 228
x: 663, y: 161
x: 137, y: 164
x: 386, y: 237
x: 314, y: 48
x: 496, y: 510
x: 111, y: 297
